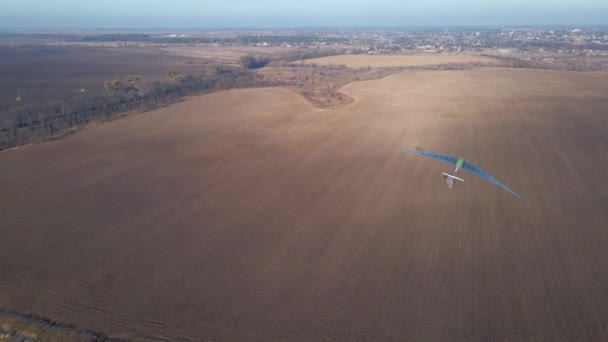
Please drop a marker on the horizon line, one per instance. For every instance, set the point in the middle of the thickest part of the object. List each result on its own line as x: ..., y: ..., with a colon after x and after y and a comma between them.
x: 28, y: 28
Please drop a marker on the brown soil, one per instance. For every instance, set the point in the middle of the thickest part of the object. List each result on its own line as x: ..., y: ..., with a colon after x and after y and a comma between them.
x: 224, y: 54
x: 380, y: 61
x: 251, y: 215
x: 42, y: 74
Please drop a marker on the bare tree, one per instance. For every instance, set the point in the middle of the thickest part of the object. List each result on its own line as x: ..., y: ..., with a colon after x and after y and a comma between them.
x: 173, y: 75
x: 112, y: 87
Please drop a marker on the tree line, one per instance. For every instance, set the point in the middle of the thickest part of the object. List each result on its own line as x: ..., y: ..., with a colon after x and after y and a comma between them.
x: 37, y: 122
x: 251, y: 61
x: 142, y: 37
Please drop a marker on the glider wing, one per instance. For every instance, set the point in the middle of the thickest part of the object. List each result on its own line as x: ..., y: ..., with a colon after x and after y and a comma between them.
x: 463, y: 165
x: 477, y: 171
x: 442, y: 158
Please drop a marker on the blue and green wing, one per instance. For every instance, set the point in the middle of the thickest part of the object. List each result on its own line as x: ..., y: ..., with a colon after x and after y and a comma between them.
x: 442, y: 158
x: 479, y: 172
x: 464, y: 165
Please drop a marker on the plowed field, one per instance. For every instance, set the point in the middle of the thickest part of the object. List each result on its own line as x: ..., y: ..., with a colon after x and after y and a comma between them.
x: 251, y: 215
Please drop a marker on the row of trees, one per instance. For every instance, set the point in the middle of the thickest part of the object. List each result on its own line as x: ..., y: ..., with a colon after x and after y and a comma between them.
x: 147, y: 38
x: 581, y: 63
x: 293, y: 40
x: 308, y: 53
x: 140, y: 37
x: 31, y: 123
x: 550, y: 45
x: 254, y: 62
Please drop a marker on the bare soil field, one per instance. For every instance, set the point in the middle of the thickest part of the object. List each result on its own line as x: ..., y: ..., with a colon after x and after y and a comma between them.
x: 252, y: 215
x: 49, y: 73
x: 379, y: 61
x: 223, y: 54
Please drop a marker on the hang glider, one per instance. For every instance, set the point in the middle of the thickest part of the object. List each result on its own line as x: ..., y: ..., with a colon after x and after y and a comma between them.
x: 460, y: 163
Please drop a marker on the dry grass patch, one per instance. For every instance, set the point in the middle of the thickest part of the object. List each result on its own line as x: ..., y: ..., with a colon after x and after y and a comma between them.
x: 378, y: 61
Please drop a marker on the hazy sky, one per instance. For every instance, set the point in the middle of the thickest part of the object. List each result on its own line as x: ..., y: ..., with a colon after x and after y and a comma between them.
x: 270, y: 13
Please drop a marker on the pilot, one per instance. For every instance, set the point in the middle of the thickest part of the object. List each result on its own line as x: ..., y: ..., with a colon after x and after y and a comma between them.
x: 449, y: 181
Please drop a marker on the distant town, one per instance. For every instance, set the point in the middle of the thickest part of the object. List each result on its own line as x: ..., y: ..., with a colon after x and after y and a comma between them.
x: 501, y: 40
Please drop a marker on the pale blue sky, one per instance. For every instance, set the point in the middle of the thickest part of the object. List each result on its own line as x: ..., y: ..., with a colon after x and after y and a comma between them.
x: 191, y: 13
